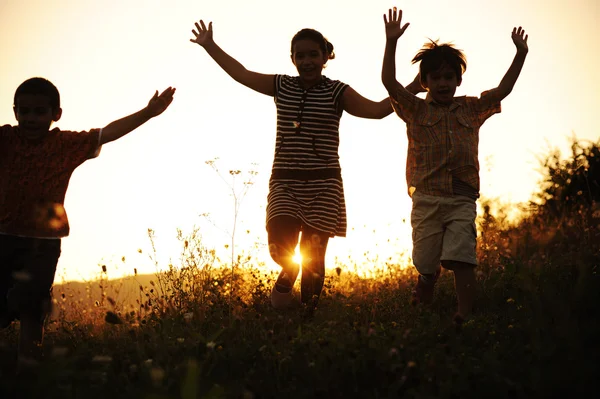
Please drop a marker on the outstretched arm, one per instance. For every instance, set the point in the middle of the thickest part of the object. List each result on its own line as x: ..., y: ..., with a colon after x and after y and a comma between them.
x: 519, y: 38
x: 156, y: 106
x: 357, y: 105
x: 393, y: 31
x: 256, y: 81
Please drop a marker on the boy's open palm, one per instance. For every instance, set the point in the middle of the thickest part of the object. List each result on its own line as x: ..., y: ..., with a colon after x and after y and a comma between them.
x: 519, y: 38
x: 203, y: 35
x: 393, y: 21
x: 159, y: 103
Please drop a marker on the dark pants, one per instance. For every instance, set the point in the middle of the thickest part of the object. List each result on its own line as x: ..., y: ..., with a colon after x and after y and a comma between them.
x: 27, y: 268
x: 283, y: 235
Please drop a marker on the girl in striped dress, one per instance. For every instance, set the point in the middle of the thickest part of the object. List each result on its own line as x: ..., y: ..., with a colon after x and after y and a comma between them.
x: 306, y: 195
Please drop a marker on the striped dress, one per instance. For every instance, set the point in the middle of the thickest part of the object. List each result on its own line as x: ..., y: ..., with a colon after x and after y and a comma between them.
x: 306, y: 181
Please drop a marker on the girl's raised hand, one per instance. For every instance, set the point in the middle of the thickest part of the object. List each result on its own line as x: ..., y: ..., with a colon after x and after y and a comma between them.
x: 203, y: 35
x: 392, y: 21
x: 159, y: 103
x: 519, y: 38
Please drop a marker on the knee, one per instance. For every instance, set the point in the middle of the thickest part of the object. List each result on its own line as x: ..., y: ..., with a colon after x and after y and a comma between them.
x: 274, y: 252
x: 455, y: 265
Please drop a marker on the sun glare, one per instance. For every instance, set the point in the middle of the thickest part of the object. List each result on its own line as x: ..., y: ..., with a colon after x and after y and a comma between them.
x: 297, y: 257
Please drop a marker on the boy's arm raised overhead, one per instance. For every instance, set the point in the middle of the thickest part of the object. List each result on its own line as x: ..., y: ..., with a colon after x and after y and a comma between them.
x: 262, y: 83
x: 156, y: 106
x: 519, y: 38
x: 403, y: 100
x: 393, y: 31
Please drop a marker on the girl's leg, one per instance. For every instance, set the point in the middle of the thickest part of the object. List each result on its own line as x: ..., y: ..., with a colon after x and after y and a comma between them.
x: 313, y: 245
x: 283, y: 234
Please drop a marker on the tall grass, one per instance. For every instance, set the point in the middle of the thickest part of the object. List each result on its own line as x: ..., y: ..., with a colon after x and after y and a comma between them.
x: 202, y: 329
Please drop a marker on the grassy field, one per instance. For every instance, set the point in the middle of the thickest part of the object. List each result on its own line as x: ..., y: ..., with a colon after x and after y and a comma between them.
x: 186, y: 335
x: 203, y: 331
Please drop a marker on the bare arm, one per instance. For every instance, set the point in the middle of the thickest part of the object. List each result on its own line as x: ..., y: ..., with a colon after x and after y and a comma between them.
x: 156, y: 106
x: 393, y: 31
x: 510, y: 78
x: 359, y: 106
x: 256, y: 81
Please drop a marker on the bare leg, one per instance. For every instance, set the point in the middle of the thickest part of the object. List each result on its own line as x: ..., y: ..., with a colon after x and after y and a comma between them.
x: 464, y: 282
x: 313, y: 245
x: 283, y: 238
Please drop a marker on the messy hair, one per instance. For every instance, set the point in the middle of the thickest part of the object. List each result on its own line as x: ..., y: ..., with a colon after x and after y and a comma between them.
x: 433, y: 56
x: 317, y: 37
x: 39, y: 86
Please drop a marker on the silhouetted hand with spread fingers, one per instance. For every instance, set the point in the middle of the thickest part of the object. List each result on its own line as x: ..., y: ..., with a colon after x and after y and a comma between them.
x: 393, y: 22
x: 519, y: 38
x: 202, y: 34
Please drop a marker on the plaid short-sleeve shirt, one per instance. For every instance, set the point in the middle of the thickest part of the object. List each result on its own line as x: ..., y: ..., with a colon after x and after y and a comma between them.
x: 34, y: 176
x: 443, y: 141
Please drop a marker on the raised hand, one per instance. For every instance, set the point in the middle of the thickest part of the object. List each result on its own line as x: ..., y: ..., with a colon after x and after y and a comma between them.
x: 392, y: 21
x: 519, y: 38
x: 159, y: 103
x: 203, y: 35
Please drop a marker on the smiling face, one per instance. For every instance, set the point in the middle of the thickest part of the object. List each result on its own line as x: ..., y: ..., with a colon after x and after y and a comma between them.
x: 309, y: 59
x: 442, y: 84
x: 35, y: 115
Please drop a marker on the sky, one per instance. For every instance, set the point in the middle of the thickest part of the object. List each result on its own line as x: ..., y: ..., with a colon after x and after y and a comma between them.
x: 107, y: 59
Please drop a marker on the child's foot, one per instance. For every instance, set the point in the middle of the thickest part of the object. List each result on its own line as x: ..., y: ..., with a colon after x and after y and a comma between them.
x: 281, y: 294
x: 423, y: 292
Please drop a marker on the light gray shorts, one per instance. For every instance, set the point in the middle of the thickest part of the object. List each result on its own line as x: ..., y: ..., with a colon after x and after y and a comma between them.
x: 443, y: 228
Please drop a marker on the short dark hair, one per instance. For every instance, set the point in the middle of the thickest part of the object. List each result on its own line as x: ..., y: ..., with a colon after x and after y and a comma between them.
x: 433, y: 56
x: 39, y: 86
x: 317, y: 37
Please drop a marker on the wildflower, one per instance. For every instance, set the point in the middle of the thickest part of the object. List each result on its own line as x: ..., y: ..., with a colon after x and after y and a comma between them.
x: 112, y: 318
x: 393, y: 352
x: 148, y: 362
x: 492, y: 332
x: 411, y: 364
x: 210, y: 345
x: 180, y: 340
x: 510, y: 326
x: 510, y: 300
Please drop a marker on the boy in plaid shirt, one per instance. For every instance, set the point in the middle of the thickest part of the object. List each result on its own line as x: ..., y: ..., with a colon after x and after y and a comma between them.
x: 442, y: 168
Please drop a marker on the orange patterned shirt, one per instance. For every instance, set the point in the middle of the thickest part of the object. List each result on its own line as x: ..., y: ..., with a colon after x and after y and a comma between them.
x: 443, y: 140
x: 34, y: 176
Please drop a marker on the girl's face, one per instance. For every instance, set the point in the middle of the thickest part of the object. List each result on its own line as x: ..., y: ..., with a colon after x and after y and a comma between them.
x: 442, y: 84
x: 309, y: 60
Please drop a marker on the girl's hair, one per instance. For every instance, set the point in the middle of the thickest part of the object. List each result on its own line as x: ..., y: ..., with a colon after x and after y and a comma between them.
x: 317, y: 37
x: 433, y: 56
x: 39, y: 86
